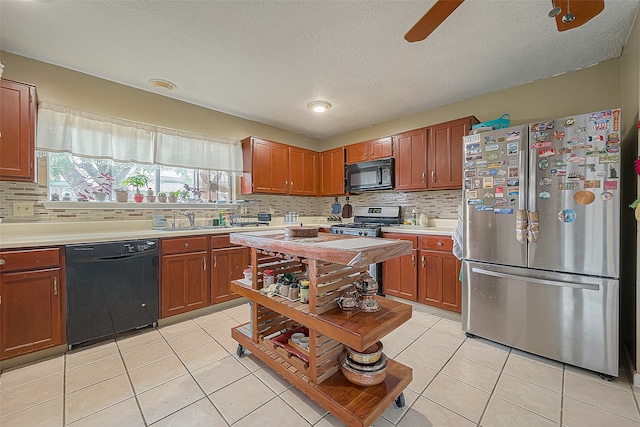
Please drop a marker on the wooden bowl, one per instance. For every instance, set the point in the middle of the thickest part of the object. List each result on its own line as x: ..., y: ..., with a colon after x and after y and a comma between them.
x: 374, y: 374
x: 301, y: 231
x: 370, y: 355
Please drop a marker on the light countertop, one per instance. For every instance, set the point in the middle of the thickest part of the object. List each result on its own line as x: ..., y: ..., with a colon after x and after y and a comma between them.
x: 44, y: 233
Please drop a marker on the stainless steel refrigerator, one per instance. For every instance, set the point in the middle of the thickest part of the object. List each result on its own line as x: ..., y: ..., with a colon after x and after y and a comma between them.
x: 541, y: 213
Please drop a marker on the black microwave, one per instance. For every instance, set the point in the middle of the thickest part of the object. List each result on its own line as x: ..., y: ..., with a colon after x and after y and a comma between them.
x: 367, y: 176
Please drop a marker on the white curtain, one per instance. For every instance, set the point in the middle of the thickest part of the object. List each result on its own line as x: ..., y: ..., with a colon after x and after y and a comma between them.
x: 62, y: 129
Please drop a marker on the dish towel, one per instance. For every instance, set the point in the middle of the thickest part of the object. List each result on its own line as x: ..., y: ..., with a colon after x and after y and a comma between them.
x: 457, y: 236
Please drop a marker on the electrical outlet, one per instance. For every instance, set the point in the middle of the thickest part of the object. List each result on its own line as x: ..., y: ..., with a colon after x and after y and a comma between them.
x: 23, y: 209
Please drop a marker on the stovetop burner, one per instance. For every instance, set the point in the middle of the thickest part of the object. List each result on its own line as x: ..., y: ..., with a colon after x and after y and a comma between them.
x: 368, y: 221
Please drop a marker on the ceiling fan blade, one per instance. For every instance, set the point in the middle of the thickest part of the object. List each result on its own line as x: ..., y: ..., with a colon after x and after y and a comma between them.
x: 432, y: 19
x: 583, y: 10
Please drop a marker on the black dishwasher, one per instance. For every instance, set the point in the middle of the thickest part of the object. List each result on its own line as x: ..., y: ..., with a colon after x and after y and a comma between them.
x: 112, y: 287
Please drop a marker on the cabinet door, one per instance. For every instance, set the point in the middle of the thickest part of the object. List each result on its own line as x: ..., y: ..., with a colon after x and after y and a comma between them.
x: 17, y: 131
x: 445, y: 153
x: 183, y: 283
x: 270, y: 169
x: 399, y: 277
x: 438, y: 283
x: 381, y: 148
x: 357, y: 152
x: 303, y: 172
x: 332, y: 172
x: 411, y: 160
x: 226, y: 265
x: 31, y: 311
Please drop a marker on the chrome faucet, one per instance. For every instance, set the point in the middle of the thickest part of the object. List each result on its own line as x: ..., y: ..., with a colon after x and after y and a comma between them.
x: 192, y: 218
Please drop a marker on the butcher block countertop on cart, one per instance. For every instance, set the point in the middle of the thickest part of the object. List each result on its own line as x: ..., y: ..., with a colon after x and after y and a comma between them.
x: 332, y: 263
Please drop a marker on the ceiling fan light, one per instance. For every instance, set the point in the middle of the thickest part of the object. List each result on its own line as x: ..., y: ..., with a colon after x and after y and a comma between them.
x: 319, y: 106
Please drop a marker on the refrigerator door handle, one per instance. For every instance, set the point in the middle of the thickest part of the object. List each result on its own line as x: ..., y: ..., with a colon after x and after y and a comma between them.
x: 587, y: 286
x: 521, y: 193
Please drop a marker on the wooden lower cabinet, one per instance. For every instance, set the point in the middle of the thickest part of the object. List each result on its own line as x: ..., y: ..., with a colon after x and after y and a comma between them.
x: 430, y: 275
x: 226, y: 265
x: 438, y: 274
x: 32, y: 302
x: 184, y: 275
x: 399, y: 275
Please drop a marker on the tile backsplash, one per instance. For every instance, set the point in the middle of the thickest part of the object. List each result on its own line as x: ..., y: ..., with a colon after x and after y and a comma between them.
x: 436, y: 204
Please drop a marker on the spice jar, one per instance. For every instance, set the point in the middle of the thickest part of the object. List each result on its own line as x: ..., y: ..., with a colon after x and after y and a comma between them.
x: 268, y: 277
x: 294, y: 291
x: 248, y: 273
x: 304, y: 291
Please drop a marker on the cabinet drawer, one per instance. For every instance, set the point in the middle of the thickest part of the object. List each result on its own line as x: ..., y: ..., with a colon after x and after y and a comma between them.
x: 402, y: 236
x: 184, y: 245
x: 222, y: 241
x: 29, y: 259
x: 436, y: 243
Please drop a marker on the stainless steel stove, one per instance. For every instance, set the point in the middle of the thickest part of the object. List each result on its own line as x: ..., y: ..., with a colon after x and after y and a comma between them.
x: 368, y: 220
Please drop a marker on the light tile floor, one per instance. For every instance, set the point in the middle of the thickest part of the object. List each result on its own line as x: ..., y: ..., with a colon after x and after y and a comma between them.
x: 188, y: 374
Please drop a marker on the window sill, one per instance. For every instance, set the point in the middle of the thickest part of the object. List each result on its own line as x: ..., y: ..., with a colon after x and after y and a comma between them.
x: 139, y: 206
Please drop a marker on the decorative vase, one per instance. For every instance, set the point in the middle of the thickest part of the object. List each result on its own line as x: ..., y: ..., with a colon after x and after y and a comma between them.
x: 138, y: 197
x: 122, y: 196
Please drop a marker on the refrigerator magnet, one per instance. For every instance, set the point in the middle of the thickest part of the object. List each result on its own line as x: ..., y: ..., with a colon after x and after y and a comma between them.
x: 543, y: 164
x: 490, y: 139
x: 544, y: 195
x: 499, y: 191
x: 503, y: 211
x: 567, y: 215
x: 544, y: 182
x: 547, y: 152
x: 558, y: 135
x: 492, y: 156
x: 487, y: 182
x: 499, y: 181
x: 569, y: 122
x: 512, y: 148
x: 513, y: 182
x: 492, y: 147
x: 611, y: 185
x: 606, y: 196
x: 584, y: 197
x: 592, y: 183
x: 513, y: 135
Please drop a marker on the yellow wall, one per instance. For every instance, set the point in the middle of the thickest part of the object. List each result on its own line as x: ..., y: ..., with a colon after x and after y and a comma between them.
x: 582, y: 91
x: 84, y: 92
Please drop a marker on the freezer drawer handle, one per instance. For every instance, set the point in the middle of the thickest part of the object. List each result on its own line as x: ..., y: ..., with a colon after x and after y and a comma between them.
x: 588, y: 286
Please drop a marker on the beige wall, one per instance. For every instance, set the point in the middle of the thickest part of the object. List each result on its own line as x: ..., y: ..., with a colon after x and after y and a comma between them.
x: 581, y: 91
x: 84, y: 92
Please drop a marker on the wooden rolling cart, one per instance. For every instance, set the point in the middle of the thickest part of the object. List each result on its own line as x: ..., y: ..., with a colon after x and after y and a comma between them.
x: 332, y: 264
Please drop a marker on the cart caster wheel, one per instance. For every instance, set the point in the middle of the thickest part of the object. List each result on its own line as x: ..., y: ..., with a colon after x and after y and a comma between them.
x: 469, y: 335
x: 400, y: 401
x: 240, y: 350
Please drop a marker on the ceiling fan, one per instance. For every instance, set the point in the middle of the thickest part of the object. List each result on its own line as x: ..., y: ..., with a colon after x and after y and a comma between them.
x: 567, y: 13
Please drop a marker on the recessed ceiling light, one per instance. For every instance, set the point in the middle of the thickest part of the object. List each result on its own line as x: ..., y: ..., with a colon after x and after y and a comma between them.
x: 319, y: 106
x: 164, y: 84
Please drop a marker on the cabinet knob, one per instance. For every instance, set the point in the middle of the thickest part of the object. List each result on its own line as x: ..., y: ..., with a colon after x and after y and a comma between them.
x: 2, y: 261
x: 186, y: 245
x: 440, y: 243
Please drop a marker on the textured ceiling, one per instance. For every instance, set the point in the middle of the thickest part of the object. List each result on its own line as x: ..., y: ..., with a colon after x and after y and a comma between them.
x: 266, y: 60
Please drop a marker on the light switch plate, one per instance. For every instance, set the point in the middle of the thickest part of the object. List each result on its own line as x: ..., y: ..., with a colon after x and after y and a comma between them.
x: 23, y: 209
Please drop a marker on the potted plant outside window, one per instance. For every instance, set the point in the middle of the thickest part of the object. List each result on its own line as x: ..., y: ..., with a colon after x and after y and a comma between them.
x: 173, y: 197
x: 162, y: 197
x: 136, y: 181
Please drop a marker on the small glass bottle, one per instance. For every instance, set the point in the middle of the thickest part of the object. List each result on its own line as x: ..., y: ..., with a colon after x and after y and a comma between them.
x: 414, y: 217
x: 304, y: 291
x: 294, y: 291
x: 268, y: 277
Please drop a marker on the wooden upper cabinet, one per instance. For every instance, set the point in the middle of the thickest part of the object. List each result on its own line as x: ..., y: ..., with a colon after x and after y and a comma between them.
x: 411, y: 160
x: 332, y: 172
x: 265, y: 166
x: 445, y: 153
x: 17, y: 131
x: 369, y: 150
x: 303, y: 172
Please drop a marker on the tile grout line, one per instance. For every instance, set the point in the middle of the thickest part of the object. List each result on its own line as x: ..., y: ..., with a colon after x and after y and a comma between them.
x: 486, y: 406
x: 135, y: 394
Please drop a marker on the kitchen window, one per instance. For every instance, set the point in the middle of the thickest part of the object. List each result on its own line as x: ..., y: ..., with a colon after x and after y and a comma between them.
x: 80, y: 178
x: 89, y: 153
